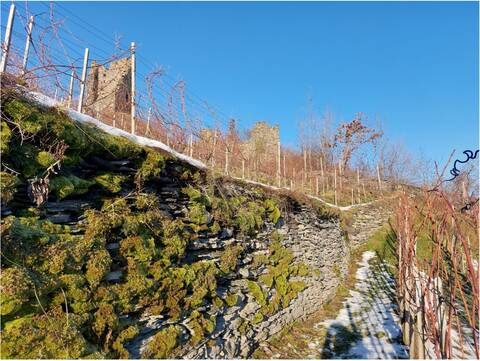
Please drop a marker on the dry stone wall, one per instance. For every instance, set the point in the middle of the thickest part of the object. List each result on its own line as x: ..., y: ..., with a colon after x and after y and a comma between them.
x: 128, y: 232
x: 365, y: 221
x: 316, y: 241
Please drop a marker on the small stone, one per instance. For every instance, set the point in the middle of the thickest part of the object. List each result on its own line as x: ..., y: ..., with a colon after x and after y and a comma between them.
x: 226, y: 233
x: 245, y: 273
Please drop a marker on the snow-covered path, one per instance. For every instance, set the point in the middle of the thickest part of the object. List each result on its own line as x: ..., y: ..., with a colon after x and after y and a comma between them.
x: 367, y: 327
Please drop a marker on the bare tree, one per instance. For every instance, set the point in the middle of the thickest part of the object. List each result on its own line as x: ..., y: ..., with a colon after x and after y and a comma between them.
x: 351, y: 136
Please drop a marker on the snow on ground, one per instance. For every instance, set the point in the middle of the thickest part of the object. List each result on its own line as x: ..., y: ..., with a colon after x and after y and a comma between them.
x: 83, y: 118
x: 367, y: 327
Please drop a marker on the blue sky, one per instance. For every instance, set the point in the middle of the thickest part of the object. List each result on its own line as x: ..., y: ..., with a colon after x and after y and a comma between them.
x: 413, y: 65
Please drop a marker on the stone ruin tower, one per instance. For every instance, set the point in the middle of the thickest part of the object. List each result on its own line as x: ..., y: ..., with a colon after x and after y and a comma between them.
x: 109, y: 89
x: 263, y: 141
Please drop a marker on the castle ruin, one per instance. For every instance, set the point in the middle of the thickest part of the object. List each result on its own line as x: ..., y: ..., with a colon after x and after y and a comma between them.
x: 109, y: 89
x: 262, y: 142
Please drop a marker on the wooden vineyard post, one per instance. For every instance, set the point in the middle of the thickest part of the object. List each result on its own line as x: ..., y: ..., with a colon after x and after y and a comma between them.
x: 323, y: 175
x: 6, y: 42
x: 27, y: 44
x: 70, y: 89
x: 82, y: 81
x: 132, y: 50
x: 316, y: 186
x: 214, y: 148
x: 243, y: 168
x: 358, y: 185
x: 378, y: 178
x: 149, y: 116
x: 293, y: 182
x: 464, y: 192
x: 304, y: 167
x: 335, y: 184
x: 340, y: 175
x: 279, y: 159
x: 191, y: 145
x: 226, y: 159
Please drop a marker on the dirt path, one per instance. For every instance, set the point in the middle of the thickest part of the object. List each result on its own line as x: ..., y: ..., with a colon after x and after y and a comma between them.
x: 366, y: 327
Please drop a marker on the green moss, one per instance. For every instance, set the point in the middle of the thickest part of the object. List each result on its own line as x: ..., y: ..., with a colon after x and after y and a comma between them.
x: 279, y: 270
x: 243, y: 327
x: 257, y: 318
x: 68, y: 270
x: 98, y: 266
x: 138, y: 248
x: 53, y: 335
x: 29, y: 232
x: 23, y: 158
x: 45, y: 159
x: 196, y: 196
x: 272, y: 210
x: 146, y: 201
x: 267, y: 279
x: 151, y: 166
x: 64, y: 186
x: 175, y: 239
x: 215, y: 228
x: 79, y: 301
x: 336, y: 271
x: 111, y: 181
x: 71, y: 159
x: 5, y: 135
x: 257, y: 292
x: 249, y: 217
x: 24, y: 115
x: 217, y: 302
x: 281, y: 284
x: 163, y: 343
x: 259, y: 260
x: 229, y: 258
x: 109, y: 146
x: 126, y: 335
x: 300, y: 269
x: 231, y: 299
x: 200, y: 326
x: 105, y: 320
x: 8, y: 184
x: 16, y: 289
x: 198, y: 214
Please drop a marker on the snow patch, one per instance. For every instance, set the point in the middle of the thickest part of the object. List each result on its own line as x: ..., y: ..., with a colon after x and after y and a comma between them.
x: 83, y: 118
x: 368, y: 321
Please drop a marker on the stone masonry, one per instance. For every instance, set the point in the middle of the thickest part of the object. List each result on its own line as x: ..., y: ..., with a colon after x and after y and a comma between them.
x: 316, y: 241
x: 109, y: 89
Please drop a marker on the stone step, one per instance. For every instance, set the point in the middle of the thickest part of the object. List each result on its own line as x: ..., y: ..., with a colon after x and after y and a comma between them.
x: 114, y: 276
